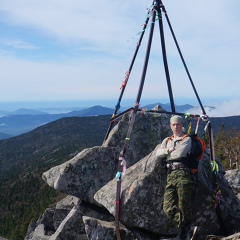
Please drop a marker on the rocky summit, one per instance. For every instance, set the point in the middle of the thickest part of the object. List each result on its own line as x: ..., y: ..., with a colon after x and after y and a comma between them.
x: 89, y: 182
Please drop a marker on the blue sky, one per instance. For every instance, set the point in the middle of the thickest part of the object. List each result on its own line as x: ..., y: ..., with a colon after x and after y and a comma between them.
x: 74, y: 50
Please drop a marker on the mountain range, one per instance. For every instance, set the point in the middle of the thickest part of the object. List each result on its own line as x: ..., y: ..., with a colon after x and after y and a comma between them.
x: 25, y: 120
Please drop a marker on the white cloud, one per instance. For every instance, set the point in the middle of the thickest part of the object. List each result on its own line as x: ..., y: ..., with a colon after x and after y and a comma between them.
x: 17, y: 44
x: 101, y: 22
x: 220, y: 109
x: 207, y: 31
x: 29, y: 80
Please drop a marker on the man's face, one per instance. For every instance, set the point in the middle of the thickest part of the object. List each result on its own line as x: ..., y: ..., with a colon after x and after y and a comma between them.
x: 176, y: 127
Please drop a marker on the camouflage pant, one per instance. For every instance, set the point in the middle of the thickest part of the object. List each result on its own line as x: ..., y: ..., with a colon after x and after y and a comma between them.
x: 178, y: 195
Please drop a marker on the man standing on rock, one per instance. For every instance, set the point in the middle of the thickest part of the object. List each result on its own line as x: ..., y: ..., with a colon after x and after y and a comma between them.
x: 178, y: 196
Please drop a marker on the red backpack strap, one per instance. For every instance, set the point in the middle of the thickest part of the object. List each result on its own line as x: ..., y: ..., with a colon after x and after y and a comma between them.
x: 203, y: 147
x: 186, y: 135
x: 169, y: 138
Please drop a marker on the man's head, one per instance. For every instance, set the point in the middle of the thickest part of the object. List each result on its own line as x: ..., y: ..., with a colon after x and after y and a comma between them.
x: 176, y: 118
x: 176, y: 124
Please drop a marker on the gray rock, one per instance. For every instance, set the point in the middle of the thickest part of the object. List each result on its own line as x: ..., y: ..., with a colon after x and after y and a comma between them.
x: 66, y: 219
x: 47, y: 220
x: 233, y: 177
x: 229, y: 204
x: 2, y: 238
x: 232, y: 237
x: 101, y: 230
x: 92, y: 168
x: 31, y: 228
x: 43, y: 228
x: 238, y: 195
x: 39, y: 233
x: 63, y: 208
x: 50, y: 220
x: 96, y: 229
x: 68, y: 229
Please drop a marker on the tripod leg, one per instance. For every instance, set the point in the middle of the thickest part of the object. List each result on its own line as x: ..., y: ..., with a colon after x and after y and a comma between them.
x: 127, y: 77
x: 146, y: 58
x: 119, y: 182
x: 165, y: 57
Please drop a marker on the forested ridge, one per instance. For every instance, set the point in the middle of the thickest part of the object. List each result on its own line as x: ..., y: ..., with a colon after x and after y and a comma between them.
x: 23, y: 159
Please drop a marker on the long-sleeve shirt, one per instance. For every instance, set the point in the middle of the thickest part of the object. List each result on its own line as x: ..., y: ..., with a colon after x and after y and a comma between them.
x: 182, y: 148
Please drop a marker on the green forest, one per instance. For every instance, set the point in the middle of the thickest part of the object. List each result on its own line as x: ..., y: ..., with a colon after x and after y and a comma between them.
x: 23, y: 159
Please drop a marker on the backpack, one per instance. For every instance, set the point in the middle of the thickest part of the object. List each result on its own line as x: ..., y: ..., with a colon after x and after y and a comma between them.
x: 197, y: 149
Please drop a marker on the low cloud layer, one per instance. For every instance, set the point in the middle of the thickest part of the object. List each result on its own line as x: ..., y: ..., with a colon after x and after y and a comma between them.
x: 222, y: 109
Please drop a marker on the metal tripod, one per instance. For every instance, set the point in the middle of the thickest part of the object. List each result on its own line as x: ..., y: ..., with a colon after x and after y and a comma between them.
x: 156, y: 13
